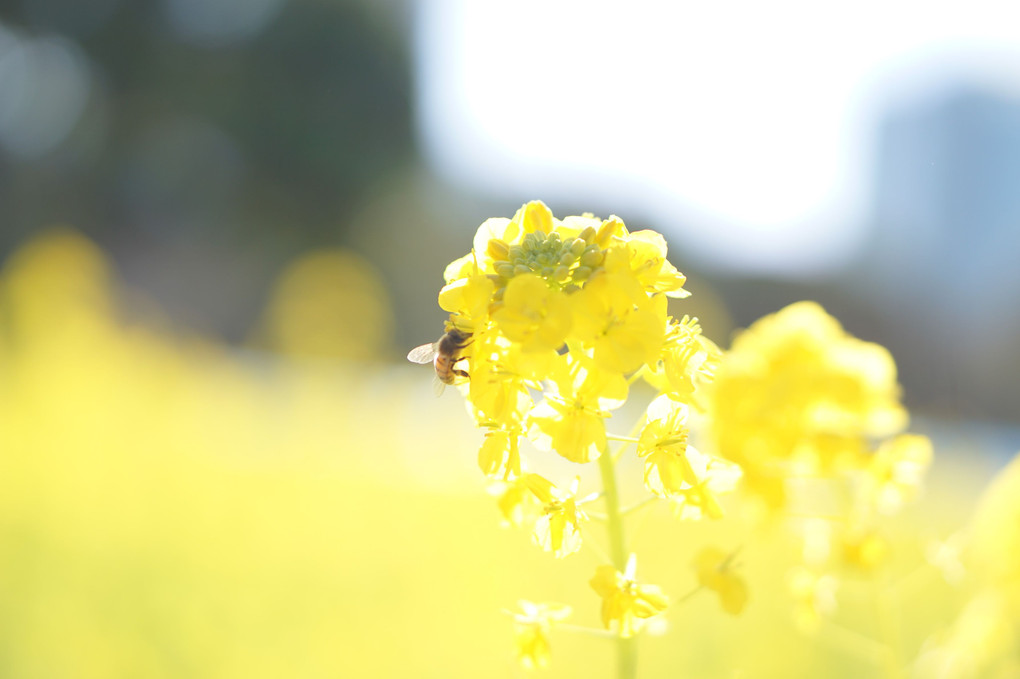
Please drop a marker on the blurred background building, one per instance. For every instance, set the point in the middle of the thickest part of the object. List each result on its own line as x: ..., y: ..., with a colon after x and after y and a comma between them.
x: 857, y: 155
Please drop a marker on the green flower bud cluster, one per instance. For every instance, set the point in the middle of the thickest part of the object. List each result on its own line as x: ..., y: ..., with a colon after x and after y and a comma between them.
x: 563, y: 263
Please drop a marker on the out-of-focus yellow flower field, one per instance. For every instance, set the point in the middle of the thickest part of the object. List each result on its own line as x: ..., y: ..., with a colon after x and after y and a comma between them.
x: 172, y: 507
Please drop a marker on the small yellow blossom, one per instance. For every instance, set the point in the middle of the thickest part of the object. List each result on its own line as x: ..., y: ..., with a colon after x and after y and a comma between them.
x: 497, y: 389
x: 688, y: 360
x: 623, y: 327
x: 896, y: 471
x: 814, y: 594
x: 558, y: 530
x: 467, y: 300
x: 663, y: 445
x: 500, y: 454
x: 531, y: 630
x: 624, y: 601
x: 715, y: 572
x: 517, y: 504
x: 647, y: 252
x: 571, y: 421
x: 533, y: 315
x: 710, y: 477
x: 864, y: 549
x: 676, y: 470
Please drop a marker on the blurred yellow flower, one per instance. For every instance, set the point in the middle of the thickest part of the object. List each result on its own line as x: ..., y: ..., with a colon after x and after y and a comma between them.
x: 516, y: 502
x: 715, y: 569
x: 814, y: 596
x: 864, y: 549
x: 797, y: 395
x: 896, y: 470
x: 981, y: 642
x: 531, y: 630
x: 313, y: 301
x: 710, y: 477
x: 994, y: 550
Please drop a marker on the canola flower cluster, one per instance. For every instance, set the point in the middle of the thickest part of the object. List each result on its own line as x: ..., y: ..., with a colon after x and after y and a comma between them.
x: 563, y: 316
x: 809, y: 412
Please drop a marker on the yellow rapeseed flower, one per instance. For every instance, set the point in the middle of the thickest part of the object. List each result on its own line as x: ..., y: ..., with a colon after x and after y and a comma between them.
x: 497, y: 391
x: 625, y: 602
x: 710, y: 477
x: 533, y: 315
x: 688, y: 360
x: 676, y: 470
x: 516, y: 502
x: 663, y: 445
x: 571, y: 420
x: 648, y: 263
x: 558, y: 530
x: 623, y: 327
x: 467, y: 300
x: 531, y: 630
x: 500, y: 454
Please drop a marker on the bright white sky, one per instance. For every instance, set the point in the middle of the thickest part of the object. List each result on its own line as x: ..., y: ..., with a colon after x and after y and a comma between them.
x: 745, y: 127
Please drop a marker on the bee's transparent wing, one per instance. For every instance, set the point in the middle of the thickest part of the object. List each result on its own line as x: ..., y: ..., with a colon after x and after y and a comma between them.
x: 423, y: 354
x: 438, y: 386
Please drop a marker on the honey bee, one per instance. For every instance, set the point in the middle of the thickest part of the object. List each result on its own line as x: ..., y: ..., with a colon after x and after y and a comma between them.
x: 443, y: 354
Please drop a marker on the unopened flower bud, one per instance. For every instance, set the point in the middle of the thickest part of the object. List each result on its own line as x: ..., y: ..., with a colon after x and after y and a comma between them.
x: 591, y: 257
x: 497, y: 249
x: 505, y: 269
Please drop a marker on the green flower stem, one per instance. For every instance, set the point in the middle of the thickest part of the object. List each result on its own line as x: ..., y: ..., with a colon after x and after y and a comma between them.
x: 634, y: 507
x: 626, y: 666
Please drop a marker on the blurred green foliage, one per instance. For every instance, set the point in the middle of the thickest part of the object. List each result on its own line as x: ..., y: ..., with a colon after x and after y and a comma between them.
x: 307, y: 115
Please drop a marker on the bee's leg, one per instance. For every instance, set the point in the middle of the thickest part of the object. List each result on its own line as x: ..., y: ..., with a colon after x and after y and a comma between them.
x: 460, y: 372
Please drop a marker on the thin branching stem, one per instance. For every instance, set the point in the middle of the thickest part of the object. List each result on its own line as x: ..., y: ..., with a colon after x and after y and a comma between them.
x: 638, y: 505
